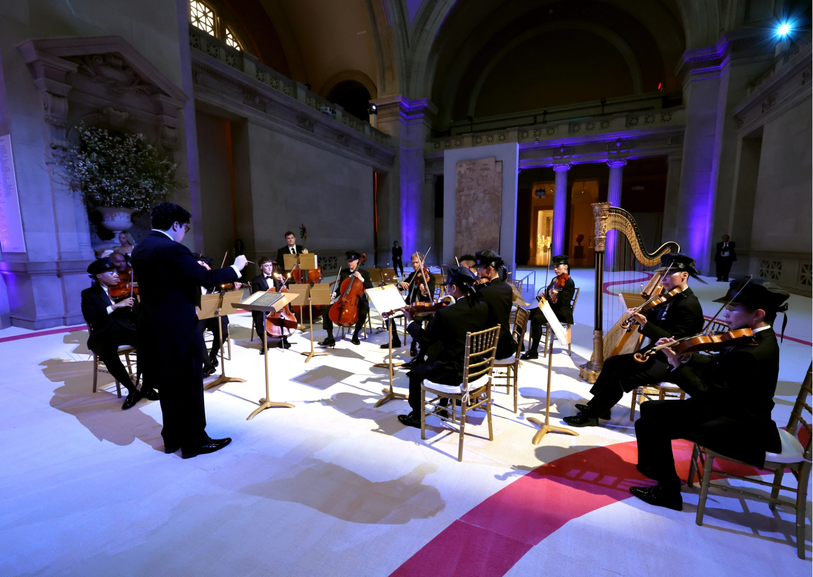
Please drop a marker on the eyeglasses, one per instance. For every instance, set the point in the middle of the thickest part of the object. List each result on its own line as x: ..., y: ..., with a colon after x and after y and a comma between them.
x: 186, y: 228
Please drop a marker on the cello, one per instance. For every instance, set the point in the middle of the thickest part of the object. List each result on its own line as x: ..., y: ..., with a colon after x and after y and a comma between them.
x: 345, y: 311
x: 311, y: 277
x: 282, y: 323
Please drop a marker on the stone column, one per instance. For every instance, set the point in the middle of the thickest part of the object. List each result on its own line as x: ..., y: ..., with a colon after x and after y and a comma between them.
x: 614, y: 198
x: 560, y: 208
x: 671, y: 199
x: 405, y: 204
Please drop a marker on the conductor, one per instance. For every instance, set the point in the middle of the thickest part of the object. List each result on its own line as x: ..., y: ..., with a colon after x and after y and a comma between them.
x: 170, y: 344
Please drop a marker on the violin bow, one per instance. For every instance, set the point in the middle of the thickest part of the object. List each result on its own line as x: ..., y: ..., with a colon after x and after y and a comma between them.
x: 747, y: 279
x: 222, y: 264
x: 654, y: 293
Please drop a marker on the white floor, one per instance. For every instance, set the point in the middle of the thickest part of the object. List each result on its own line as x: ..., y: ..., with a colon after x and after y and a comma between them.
x: 333, y: 486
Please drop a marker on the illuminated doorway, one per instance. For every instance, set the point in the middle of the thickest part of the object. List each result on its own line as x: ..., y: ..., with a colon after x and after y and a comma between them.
x: 542, y: 237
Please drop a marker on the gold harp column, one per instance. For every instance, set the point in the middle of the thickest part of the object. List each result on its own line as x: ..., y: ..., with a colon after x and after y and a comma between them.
x: 589, y: 371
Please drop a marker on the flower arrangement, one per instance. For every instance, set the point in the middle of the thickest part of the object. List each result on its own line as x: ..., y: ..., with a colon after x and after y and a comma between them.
x: 117, y: 169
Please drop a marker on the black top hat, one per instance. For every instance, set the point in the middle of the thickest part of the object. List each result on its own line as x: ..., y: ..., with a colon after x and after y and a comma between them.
x: 676, y: 262
x: 353, y: 255
x: 458, y: 274
x: 99, y: 266
x: 489, y: 258
x: 559, y: 260
x: 758, y: 293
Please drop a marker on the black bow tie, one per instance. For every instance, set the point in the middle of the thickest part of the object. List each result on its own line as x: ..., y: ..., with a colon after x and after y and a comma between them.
x: 269, y: 278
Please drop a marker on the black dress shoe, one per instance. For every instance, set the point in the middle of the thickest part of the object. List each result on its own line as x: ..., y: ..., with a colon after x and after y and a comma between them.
x: 410, y: 364
x: 355, y: 340
x: 284, y: 345
x: 328, y: 342
x: 410, y: 420
x: 208, y: 371
x: 395, y: 344
x: 585, y: 409
x: 131, y: 400
x: 209, y: 446
x: 262, y: 351
x: 171, y: 448
x: 659, y: 497
x: 213, y: 361
x: 581, y: 420
x: 150, y: 395
x: 413, y: 351
x: 529, y: 355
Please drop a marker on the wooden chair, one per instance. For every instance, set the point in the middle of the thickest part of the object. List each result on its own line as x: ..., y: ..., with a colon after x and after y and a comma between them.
x: 510, y: 367
x: 795, y: 456
x: 125, y: 351
x: 478, y: 361
x: 663, y: 390
x: 545, y: 326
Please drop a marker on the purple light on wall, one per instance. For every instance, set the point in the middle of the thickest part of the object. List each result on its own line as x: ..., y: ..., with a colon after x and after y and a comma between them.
x: 410, y: 214
x: 560, y: 208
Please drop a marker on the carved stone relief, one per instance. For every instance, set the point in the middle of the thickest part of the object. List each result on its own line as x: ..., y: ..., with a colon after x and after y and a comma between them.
x: 478, y: 205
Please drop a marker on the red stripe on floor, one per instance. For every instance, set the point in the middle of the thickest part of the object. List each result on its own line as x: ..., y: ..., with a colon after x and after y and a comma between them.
x: 489, y: 540
x: 44, y: 333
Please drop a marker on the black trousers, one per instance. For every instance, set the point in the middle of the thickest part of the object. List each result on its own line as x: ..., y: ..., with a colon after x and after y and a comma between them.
x: 723, y: 268
x: 443, y: 373
x: 620, y: 375
x: 182, y: 404
x: 398, y: 264
x: 364, y: 310
x: 109, y: 355
x: 211, y: 324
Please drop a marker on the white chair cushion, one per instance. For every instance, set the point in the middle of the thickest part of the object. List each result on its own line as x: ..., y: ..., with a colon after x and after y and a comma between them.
x: 446, y: 389
x: 505, y: 362
x: 792, y: 451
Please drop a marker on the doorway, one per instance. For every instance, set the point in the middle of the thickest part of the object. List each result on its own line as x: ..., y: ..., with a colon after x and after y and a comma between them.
x: 541, y: 237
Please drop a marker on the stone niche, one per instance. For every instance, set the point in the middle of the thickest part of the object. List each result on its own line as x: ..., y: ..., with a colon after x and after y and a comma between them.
x: 100, y: 81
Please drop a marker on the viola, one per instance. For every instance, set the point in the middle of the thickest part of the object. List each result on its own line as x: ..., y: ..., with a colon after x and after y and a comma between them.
x: 345, y: 311
x: 280, y: 323
x: 703, y: 343
x: 652, y: 303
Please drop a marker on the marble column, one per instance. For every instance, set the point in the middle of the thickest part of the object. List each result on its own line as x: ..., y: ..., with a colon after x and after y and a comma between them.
x: 405, y: 203
x: 560, y: 208
x: 614, y: 198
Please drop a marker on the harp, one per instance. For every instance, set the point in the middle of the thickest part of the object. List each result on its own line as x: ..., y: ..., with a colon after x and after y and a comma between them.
x: 626, y: 258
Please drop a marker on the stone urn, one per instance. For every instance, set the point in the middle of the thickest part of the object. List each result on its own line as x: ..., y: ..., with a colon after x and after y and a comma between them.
x: 116, y: 219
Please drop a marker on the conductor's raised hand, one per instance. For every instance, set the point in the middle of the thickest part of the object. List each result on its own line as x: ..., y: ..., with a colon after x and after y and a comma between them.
x: 240, y: 262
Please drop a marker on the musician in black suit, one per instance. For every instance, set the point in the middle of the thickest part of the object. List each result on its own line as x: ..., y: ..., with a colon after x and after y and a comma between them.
x: 444, y: 342
x: 558, y: 293
x: 169, y: 281
x: 111, y: 325
x: 268, y: 279
x: 416, y: 291
x: 352, y: 269
x: 724, y: 257
x: 499, y: 296
x: 731, y: 397
x: 681, y: 316
x: 290, y: 248
x: 210, y: 361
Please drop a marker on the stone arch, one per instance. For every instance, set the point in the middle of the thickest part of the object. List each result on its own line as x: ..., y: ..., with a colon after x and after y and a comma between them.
x: 348, y: 75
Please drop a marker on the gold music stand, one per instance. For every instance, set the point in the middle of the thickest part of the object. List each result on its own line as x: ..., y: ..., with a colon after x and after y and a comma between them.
x: 265, y: 302
x: 211, y: 307
x: 319, y: 295
x: 556, y: 331
x: 387, y: 299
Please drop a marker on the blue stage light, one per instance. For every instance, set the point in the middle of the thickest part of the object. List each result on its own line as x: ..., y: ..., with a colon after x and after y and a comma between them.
x: 783, y: 30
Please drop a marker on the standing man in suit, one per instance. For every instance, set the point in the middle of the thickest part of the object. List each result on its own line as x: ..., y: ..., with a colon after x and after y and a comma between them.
x: 731, y: 397
x: 559, y: 293
x: 444, y: 342
x: 681, y: 316
x: 499, y: 297
x: 352, y: 270
x: 112, y: 324
x: 290, y: 248
x: 397, y: 258
x: 170, y: 346
x: 724, y: 257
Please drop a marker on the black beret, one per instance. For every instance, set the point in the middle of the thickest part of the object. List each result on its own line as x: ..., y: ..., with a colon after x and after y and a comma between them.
x: 460, y: 274
x: 489, y: 258
x: 100, y: 265
x: 677, y: 261
x: 560, y: 259
x: 758, y: 293
x: 353, y: 255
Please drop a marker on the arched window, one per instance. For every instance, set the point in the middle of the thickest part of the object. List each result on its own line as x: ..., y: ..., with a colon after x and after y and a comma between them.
x: 204, y: 17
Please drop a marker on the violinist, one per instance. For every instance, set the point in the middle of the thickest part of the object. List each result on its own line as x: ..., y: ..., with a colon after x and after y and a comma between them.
x: 419, y: 287
x: 499, y: 297
x: 112, y: 325
x: 444, y: 342
x: 680, y: 316
x: 352, y: 270
x: 270, y: 278
x: 558, y: 293
x: 209, y: 357
x: 470, y: 262
x: 731, y: 396
x: 290, y: 248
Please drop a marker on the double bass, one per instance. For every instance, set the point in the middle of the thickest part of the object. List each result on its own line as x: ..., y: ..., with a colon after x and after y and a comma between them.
x: 311, y: 277
x: 282, y: 323
x: 345, y: 311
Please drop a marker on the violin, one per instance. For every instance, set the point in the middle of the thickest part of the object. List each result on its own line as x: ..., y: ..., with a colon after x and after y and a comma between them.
x: 423, y: 308
x: 652, y: 303
x: 125, y: 288
x: 703, y: 343
x: 345, y: 311
x: 556, y: 287
x: 280, y: 323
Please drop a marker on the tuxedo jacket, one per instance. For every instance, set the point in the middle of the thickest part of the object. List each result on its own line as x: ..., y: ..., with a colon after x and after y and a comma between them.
x: 732, y: 254
x: 415, y: 294
x: 283, y: 251
x: 683, y: 318
x: 561, y: 308
x: 345, y: 274
x: 499, y: 297
x: 103, y: 325
x: 169, y: 281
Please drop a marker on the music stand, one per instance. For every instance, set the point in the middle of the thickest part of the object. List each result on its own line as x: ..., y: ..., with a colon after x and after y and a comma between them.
x: 210, y: 307
x: 318, y: 294
x: 558, y: 331
x: 302, y: 262
x: 386, y: 299
x: 265, y: 302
